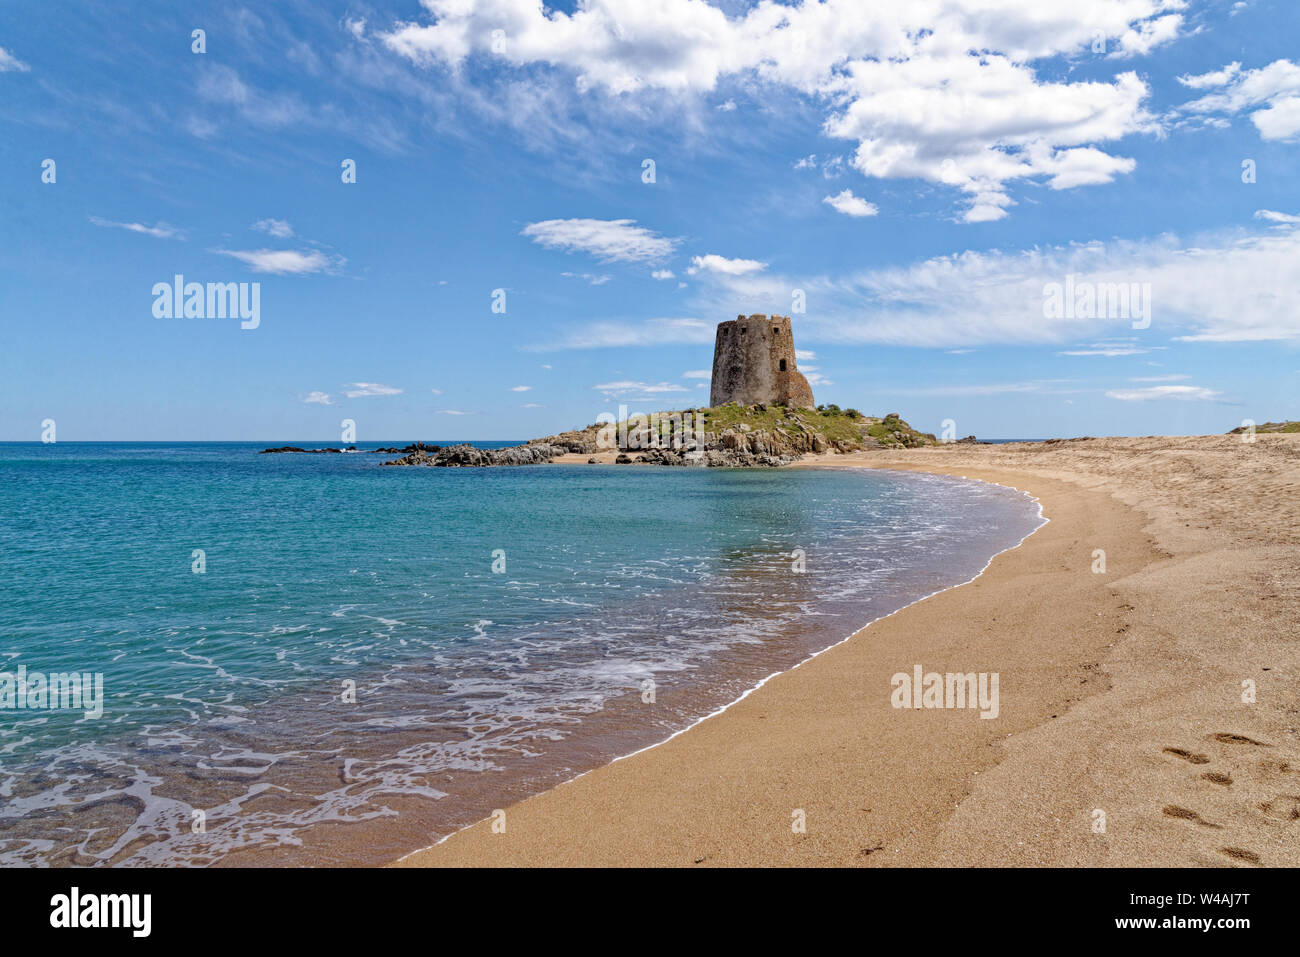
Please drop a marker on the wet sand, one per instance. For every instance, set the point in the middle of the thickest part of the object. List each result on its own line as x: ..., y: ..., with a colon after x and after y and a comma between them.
x: 1120, y: 696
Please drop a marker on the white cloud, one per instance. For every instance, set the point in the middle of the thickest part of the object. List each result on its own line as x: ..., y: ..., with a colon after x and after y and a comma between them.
x: 940, y: 90
x: 10, y: 63
x: 697, y: 374
x: 357, y: 390
x: 1159, y: 378
x: 805, y: 354
x: 285, y: 261
x: 1106, y: 351
x: 993, y: 388
x: 157, y: 230
x: 274, y: 227
x: 662, y: 274
x: 1206, y: 81
x: 1229, y: 285
x: 609, y: 240
x: 319, y: 398
x: 533, y: 405
x: 831, y: 166
x: 221, y: 85
x: 1275, y: 217
x: 637, y: 391
x: 978, y: 123
x: 1272, y: 92
x: 592, y: 279
x: 1185, y: 392
x: 436, y: 391
x: 521, y: 388
x: 720, y: 264
x: 727, y: 107
x: 848, y: 204
x: 648, y: 332
x: 451, y: 412
x: 1146, y: 35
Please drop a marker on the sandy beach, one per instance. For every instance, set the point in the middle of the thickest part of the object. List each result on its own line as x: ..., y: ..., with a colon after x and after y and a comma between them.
x: 1122, y: 736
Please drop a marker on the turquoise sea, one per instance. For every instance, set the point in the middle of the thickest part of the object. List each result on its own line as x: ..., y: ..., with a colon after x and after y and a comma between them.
x: 364, y: 659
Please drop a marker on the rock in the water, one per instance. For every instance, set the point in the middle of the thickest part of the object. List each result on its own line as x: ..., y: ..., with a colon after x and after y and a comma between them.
x: 462, y: 456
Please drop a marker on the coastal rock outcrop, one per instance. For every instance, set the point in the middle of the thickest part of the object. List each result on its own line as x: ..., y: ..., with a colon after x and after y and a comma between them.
x: 757, y: 436
x: 577, y: 441
x: 467, y: 456
x: 294, y: 448
x: 281, y: 449
x: 762, y: 435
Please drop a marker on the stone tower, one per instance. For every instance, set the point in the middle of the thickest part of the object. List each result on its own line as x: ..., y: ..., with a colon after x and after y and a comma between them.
x: 753, y: 362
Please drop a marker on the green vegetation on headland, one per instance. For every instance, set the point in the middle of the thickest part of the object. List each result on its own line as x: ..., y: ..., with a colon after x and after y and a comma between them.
x: 738, y: 436
x: 1268, y: 427
x: 845, y: 429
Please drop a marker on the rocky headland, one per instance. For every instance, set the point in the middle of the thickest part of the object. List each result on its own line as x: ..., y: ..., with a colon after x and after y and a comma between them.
x: 729, y: 436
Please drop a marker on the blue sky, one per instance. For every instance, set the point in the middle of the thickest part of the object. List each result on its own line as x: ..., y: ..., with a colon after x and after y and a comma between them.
x: 920, y: 171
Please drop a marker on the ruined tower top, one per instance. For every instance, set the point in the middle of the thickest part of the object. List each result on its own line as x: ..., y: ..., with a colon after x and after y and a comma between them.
x: 754, y: 362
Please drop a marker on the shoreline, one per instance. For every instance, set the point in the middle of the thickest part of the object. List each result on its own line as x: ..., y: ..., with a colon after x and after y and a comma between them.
x: 1044, y: 520
x: 882, y: 786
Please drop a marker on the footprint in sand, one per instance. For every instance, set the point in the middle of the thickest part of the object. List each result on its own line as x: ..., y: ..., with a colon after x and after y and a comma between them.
x: 1217, y: 777
x: 1188, y: 755
x: 1223, y: 737
x: 1238, y: 854
x: 1271, y: 767
x: 1182, y: 813
x: 1284, y: 807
